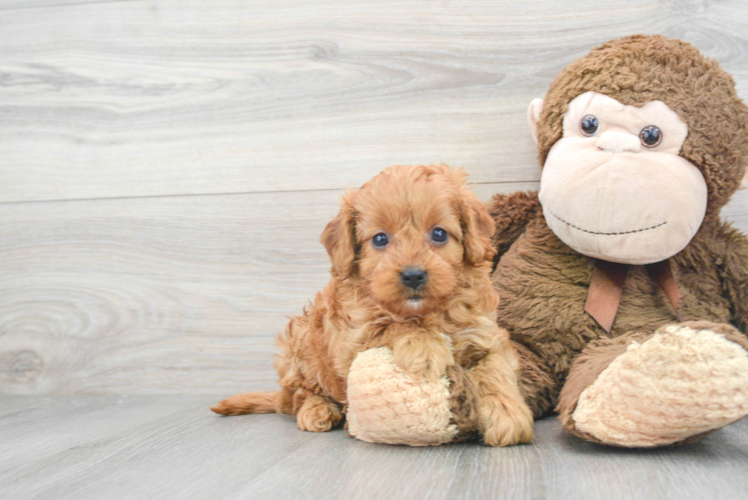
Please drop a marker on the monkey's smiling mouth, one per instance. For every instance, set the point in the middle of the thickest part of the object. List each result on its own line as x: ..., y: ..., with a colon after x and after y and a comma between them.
x: 608, y: 234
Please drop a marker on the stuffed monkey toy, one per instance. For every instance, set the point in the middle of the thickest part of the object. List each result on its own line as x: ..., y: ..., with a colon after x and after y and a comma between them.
x: 625, y: 295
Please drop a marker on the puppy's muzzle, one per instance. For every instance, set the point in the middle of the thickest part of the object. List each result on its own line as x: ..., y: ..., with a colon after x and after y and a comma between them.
x: 413, y: 277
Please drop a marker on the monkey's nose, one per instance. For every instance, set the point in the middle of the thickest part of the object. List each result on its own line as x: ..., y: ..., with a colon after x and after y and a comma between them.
x: 618, y: 141
x: 413, y: 277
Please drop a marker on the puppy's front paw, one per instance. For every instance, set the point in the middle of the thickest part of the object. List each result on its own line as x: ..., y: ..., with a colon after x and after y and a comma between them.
x: 423, y: 356
x: 505, y: 426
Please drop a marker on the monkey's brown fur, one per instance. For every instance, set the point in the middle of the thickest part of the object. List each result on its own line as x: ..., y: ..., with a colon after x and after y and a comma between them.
x: 543, y: 284
x: 452, y: 330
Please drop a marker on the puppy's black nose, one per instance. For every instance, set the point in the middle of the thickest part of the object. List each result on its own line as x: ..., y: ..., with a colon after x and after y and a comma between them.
x: 413, y: 277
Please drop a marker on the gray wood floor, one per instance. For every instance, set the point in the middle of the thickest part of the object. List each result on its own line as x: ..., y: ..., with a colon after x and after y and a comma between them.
x: 105, y: 447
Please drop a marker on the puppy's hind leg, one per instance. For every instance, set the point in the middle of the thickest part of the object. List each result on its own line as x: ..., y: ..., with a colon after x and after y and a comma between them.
x: 250, y: 402
x: 318, y: 414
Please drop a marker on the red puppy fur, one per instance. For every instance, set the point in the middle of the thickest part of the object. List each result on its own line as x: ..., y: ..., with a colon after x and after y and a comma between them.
x: 417, y: 219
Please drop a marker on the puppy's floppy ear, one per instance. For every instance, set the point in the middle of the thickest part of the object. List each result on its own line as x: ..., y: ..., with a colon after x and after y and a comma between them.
x: 478, y: 227
x: 339, y: 239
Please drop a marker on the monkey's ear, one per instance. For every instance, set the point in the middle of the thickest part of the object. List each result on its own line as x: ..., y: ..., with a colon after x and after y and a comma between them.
x: 744, y: 182
x: 339, y: 239
x: 533, y: 116
x: 478, y: 227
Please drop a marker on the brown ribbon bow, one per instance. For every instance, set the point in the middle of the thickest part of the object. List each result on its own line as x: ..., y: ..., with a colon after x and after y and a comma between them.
x: 606, y: 289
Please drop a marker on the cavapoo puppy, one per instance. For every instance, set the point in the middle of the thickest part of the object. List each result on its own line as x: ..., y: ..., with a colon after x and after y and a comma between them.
x: 411, y: 256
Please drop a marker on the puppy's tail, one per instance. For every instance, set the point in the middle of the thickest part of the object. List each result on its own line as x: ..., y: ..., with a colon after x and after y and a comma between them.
x: 250, y: 402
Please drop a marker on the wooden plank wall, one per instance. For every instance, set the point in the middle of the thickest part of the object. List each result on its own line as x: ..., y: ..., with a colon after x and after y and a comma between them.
x: 166, y: 167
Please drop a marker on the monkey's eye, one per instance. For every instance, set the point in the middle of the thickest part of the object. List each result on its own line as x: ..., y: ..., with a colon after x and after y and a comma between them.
x: 439, y: 235
x: 380, y: 240
x: 589, y: 125
x: 651, y: 136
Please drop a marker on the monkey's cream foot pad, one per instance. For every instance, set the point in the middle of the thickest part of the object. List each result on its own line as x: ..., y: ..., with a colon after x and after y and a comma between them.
x: 386, y: 405
x: 679, y: 383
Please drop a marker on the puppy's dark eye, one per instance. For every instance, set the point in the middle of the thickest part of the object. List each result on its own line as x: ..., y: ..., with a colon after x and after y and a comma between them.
x: 651, y: 136
x: 589, y: 125
x: 380, y: 240
x: 438, y: 235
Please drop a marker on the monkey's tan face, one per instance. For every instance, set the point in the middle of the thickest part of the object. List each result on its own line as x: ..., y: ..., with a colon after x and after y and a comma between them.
x: 614, y: 188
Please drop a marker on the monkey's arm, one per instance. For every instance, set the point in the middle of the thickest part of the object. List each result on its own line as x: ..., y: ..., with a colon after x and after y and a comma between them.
x: 512, y: 212
x: 735, y: 276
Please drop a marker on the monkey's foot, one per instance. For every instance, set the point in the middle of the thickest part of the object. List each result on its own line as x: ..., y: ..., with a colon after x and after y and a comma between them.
x: 387, y: 405
x: 679, y: 384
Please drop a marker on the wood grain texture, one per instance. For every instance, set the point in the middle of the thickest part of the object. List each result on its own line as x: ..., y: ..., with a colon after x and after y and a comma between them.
x: 49, y: 5
x: 172, y: 447
x: 145, y: 98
